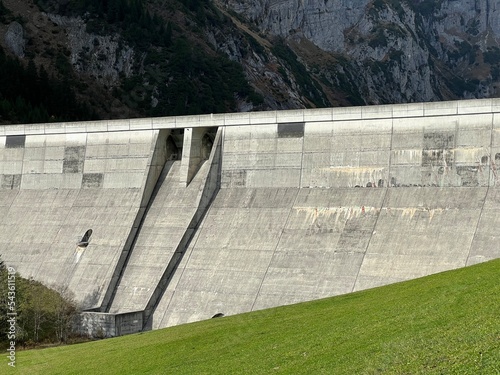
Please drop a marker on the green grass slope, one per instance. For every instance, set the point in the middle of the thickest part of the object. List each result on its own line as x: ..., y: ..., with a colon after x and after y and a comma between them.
x: 447, y: 323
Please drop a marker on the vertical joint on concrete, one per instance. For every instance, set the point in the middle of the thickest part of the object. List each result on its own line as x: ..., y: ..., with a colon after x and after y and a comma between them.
x: 491, y: 183
x: 382, y: 205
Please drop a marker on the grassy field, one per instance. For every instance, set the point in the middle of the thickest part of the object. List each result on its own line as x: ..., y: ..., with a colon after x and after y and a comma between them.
x: 447, y: 323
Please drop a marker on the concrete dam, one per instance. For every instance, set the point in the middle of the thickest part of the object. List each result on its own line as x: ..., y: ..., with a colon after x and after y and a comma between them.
x: 162, y: 221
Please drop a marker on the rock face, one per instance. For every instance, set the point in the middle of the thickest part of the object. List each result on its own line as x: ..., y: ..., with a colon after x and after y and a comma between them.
x: 103, y: 57
x: 14, y: 38
x: 391, y: 51
x: 277, y: 92
x: 327, y: 23
x: 322, y: 22
x: 295, y: 54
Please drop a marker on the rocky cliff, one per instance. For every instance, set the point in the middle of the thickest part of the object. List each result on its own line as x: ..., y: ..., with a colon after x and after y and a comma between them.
x: 103, y: 57
x: 389, y: 51
x: 149, y: 58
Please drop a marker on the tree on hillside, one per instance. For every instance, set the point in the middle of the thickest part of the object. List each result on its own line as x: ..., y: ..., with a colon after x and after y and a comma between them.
x: 46, y: 314
x: 43, y: 314
x: 65, y: 312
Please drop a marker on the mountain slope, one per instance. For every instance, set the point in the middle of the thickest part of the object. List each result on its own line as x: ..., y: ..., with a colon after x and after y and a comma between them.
x: 391, y: 51
x: 130, y: 58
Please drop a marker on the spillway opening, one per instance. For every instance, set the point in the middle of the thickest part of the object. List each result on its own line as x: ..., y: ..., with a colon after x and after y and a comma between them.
x: 84, y: 242
x: 173, y: 144
x: 207, y: 143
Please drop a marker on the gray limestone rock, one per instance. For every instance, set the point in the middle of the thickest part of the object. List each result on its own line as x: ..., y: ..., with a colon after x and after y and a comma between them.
x: 389, y: 48
x: 14, y: 37
x: 104, y: 57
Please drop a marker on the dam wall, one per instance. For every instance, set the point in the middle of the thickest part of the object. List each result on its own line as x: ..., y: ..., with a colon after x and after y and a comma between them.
x: 312, y: 208
x: 55, y: 187
x: 287, y: 206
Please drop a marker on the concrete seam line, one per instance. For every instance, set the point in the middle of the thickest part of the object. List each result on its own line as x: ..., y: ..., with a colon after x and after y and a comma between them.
x: 22, y: 161
x: 275, y: 249
x: 11, y: 201
x: 486, y: 195
x: 189, y: 250
x: 301, y: 158
x: 382, y: 204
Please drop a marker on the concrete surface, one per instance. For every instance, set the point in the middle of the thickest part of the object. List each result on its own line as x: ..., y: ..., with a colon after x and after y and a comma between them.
x: 55, y: 188
x: 290, y: 206
x: 169, y: 223
x: 349, y: 204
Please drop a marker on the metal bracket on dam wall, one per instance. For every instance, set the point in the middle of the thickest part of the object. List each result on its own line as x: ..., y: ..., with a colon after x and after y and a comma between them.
x: 194, y: 216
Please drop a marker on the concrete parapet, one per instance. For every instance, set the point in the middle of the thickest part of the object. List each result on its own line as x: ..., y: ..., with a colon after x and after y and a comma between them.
x: 401, y: 111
